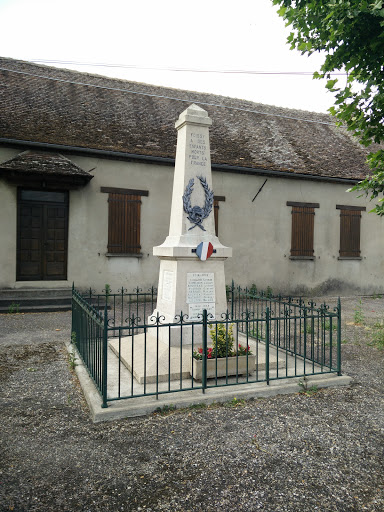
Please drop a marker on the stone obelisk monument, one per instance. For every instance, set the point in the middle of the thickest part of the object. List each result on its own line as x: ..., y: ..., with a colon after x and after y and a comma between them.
x: 191, y: 276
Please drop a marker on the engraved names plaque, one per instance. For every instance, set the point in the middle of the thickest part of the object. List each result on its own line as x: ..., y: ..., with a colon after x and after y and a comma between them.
x: 200, y: 287
x: 197, y: 309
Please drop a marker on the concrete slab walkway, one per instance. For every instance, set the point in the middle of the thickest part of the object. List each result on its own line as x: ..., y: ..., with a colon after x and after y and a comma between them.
x: 121, y: 383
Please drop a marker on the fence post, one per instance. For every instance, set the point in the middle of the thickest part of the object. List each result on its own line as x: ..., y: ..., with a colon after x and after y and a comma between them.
x: 204, y: 361
x: 232, y: 297
x: 267, y: 335
x: 105, y: 357
x: 73, y: 310
x: 305, y: 336
x: 339, y: 337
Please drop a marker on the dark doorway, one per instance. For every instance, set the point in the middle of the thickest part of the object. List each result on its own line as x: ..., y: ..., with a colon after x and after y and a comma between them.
x: 42, y: 235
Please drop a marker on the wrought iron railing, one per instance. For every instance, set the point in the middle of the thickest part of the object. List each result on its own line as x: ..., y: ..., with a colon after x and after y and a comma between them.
x: 130, y: 353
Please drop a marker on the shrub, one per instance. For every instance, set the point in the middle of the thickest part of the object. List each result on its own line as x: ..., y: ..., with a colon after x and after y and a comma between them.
x: 222, y: 340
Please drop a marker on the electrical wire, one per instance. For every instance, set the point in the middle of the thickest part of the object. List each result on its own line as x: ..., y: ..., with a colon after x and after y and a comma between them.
x: 188, y: 100
x: 178, y: 69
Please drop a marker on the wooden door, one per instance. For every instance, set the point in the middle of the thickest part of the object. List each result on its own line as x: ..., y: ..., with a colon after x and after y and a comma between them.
x: 42, y: 235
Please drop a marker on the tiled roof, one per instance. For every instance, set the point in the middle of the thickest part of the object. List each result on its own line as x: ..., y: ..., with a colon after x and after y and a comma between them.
x: 44, y: 163
x: 137, y: 118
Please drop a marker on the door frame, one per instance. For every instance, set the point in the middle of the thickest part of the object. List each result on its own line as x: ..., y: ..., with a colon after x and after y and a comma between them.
x: 44, y: 204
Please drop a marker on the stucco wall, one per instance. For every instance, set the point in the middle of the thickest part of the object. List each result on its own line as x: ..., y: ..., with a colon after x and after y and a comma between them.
x: 259, y: 231
x: 260, y: 234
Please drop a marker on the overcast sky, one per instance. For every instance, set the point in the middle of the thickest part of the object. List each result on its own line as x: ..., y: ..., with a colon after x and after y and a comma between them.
x: 205, y: 35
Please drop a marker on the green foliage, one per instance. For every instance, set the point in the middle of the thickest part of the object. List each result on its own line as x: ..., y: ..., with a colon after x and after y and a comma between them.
x: 243, y: 350
x: 71, y: 354
x: 358, y: 317
x: 305, y: 390
x: 222, y: 344
x: 165, y: 410
x: 327, y: 326
x: 72, y: 359
x: 269, y: 292
x: 256, y: 333
x: 222, y: 340
x: 351, y: 33
x: 13, y: 308
x: 253, y: 289
x: 198, y: 406
x: 378, y: 336
x: 235, y: 402
x: 107, y: 292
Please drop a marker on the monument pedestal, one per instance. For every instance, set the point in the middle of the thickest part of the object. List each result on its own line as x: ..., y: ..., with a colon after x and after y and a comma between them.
x: 187, y: 286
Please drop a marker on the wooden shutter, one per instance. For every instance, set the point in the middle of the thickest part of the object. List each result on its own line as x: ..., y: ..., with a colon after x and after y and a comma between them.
x: 302, y: 231
x: 350, y: 233
x: 124, y: 223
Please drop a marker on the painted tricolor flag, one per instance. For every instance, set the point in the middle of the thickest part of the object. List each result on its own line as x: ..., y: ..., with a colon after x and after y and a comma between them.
x: 204, y: 250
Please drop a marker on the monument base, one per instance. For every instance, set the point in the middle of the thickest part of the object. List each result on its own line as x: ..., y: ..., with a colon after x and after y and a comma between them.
x: 187, y: 286
x: 155, y: 361
x: 177, y: 335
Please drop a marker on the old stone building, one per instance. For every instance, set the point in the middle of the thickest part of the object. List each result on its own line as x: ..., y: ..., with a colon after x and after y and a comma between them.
x: 86, y: 170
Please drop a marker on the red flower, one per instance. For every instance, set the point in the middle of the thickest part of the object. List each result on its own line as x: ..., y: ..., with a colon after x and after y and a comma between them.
x: 200, y: 349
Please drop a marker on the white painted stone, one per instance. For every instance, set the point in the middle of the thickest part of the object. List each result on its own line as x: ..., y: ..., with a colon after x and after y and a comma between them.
x: 187, y: 284
x: 192, y: 137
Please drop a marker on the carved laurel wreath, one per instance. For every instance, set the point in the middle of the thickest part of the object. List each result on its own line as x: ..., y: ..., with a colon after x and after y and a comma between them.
x: 196, y: 214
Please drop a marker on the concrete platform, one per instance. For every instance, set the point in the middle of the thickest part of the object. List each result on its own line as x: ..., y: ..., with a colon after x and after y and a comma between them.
x: 174, y: 393
x: 154, y: 359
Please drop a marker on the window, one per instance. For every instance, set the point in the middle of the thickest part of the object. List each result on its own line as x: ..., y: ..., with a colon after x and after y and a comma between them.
x: 216, y: 200
x: 350, y: 218
x: 124, y: 207
x: 303, y: 221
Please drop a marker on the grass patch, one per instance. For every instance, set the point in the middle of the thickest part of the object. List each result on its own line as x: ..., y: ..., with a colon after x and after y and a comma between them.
x: 358, y: 317
x: 305, y: 390
x: 326, y: 325
x: 13, y: 308
x: 377, y: 336
x: 165, y: 410
x: 235, y: 402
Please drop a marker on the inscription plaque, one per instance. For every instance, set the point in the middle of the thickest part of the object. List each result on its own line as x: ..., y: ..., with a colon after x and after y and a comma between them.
x: 198, y: 154
x: 200, y: 287
x: 168, y: 279
x: 197, y: 309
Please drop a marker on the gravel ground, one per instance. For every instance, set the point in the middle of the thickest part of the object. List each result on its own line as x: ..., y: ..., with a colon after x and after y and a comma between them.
x: 302, y: 452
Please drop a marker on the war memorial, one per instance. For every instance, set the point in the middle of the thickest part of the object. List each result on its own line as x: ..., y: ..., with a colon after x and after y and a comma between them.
x: 195, y: 336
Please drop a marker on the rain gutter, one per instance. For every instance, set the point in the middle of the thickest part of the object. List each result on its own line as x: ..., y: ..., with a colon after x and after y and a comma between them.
x: 120, y: 155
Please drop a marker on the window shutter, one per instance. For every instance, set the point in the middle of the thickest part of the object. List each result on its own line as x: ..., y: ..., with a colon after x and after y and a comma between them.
x: 124, y: 223
x: 302, y: 231
x: 350, y: 233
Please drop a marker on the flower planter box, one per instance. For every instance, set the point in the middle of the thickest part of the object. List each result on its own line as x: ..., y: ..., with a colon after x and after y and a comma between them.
x: 236, y: 365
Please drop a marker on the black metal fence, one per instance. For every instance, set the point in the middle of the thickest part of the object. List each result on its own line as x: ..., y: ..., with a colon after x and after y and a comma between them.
x: 130, y: 353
